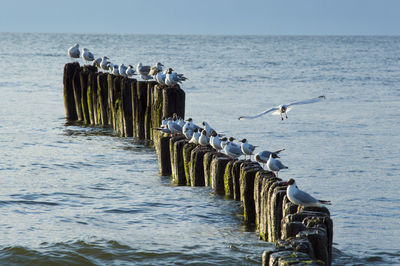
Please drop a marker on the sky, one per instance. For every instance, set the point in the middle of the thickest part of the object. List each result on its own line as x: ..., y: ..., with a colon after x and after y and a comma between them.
x: 227, y: 17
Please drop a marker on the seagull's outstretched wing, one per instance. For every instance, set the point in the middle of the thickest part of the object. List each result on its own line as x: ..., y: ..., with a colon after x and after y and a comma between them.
x: 260, y: 114
x: 313, y: 100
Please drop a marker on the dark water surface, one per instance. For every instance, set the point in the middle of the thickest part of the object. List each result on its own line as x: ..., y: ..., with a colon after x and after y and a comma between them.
x: 73, y: 194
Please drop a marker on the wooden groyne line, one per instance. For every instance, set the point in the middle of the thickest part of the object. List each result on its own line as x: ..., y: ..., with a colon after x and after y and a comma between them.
x: 131, y: 107
x: 302, y: 235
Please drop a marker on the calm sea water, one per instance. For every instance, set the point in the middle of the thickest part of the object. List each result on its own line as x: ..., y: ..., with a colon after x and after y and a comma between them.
x: 72, y: 194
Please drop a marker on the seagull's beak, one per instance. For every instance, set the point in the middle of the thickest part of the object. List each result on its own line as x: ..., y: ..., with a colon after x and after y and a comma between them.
x: 285, y: 183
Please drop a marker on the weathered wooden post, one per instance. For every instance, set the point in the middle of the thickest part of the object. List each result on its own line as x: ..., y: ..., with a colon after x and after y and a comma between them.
x: 277, y: 194
x: 259, y: 183
x: 218, y: 166
x: 248, y: 171
x: 118, y: 126
x: 173, y: 101
x: 187, y: 152
x: 111, y: 108
x: 140, y: 108
x: 92, y: 87
x: 197, y: 165
x: 164, y: 159
x: 147, y: 115
x: 228, y: 179
x: 176, y: 156
x: 84, y: 80
x: 69, y: 100
x: 102, y: 93
x: 236, y: 179
x: 207, y: 167
x: 76, y: 84
x: 126, y: 104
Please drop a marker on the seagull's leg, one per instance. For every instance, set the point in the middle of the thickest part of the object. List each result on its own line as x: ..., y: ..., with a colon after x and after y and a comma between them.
x: 281, y: 117
x: 286, y: 115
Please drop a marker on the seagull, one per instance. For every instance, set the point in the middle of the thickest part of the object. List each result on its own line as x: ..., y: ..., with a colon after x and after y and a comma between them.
x: 173, y: 78
x: 104, y: 64
x: 195, y: 136
x: 130, y: 71
x: 299, y: 197
x: 97, y: 62
x: 114, y: 69
x: 73, y: 51
x: 203, y: 139
x: 247, y: 148
x: 263, y: 156
x: 156, y: 69
x: 284, y: 108
x: 122, y: 70
x: 207, y: 128
x: 232, y: 150
x: 143, y: 71
x: 160, y: 78
x: 275, y: 165
x: 174, y: 127
x: 215, y: 142
x: 87, y: 55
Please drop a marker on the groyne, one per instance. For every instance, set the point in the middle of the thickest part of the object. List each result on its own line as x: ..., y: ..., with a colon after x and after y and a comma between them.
x: 134, y: 108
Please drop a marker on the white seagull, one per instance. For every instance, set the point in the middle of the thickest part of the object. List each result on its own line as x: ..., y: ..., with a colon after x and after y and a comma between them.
x: 263, y: 156
x: 122, y: 70
x: 232, y: 150
x: 207, y: 128
x: 195, y: 136
x: 114, y: 69
x: 203, y: 139
x: 74, y: 52
x: 284, y: 108
x: 215, y: 142
x: 247, y: 148
x: 299, y: 197
x: 87, y: 55
x: 104, y: 64
x: 97, y: 62
x: 143, y: 71
x: 275, y: 165
x: 130, y: 71
x: 173, y: 78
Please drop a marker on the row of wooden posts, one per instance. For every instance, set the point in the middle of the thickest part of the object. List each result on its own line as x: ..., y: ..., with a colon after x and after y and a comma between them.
x: 133, y: 108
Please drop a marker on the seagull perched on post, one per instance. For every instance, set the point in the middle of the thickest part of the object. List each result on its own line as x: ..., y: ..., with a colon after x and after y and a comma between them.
x: 143, y: 71
x: 156, y: 69
x: 172, y: 78
x: 284, y: 108
x: 130, y: 71
x: 263, y: 156
x: 87, y: 55
x: 247, y: 148
x: 299, y: 197
x: 275, y: 165
x: 74, y: 52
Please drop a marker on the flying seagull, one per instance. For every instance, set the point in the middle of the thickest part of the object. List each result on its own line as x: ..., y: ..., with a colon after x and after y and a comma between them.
x: 284, y: 108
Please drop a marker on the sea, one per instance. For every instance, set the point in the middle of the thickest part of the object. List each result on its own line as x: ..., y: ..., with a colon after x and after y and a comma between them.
x: 73, y: 194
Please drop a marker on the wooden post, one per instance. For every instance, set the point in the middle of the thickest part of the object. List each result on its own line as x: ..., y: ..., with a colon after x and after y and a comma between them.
x: 197, y: 165
x: 164, y: 160
x: 76, y: 84
x: 84, y: 76
x: 69, y: 101
x: 236, y: 179
x: 111, y: 100
x: 187, y: 151
x: 207, y: 166
x: 118, y: 123
x: 126, y: 103
x: 102, y: 93
x: 148, y: 133
x: 273, y: 216
x: 218, y: 165
x: 176, y: 155
x: 140, y: 108
x: 173, y: 101
x: 248, y: 171
x: 92, y: 86
x: 228, y: 179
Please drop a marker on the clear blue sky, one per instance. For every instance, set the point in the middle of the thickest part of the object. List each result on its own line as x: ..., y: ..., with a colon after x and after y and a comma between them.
x: 278, y: 17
